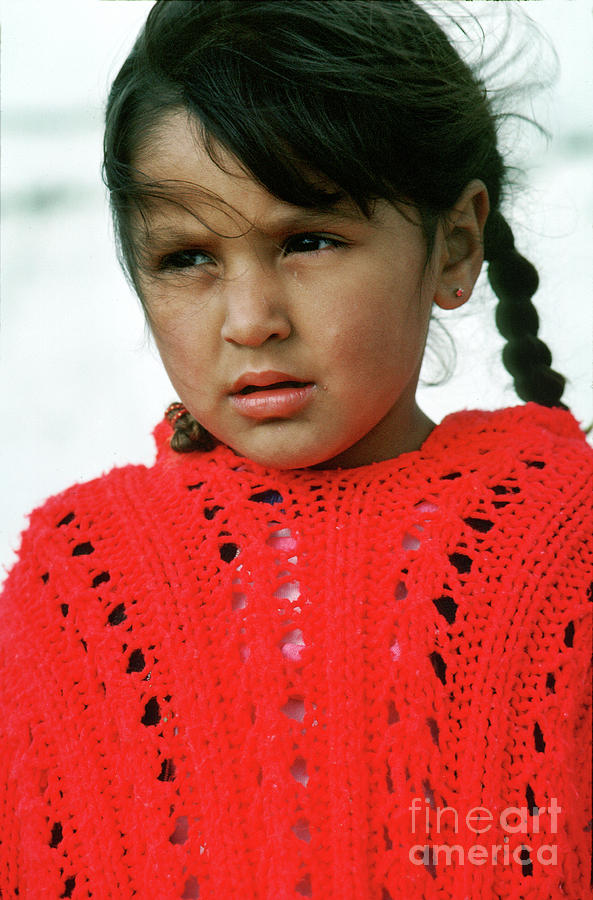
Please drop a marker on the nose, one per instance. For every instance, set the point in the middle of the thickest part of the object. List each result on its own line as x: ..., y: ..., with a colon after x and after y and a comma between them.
x: 255, y: 311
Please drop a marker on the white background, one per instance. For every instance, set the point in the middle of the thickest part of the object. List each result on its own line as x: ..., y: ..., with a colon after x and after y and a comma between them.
x: 82, y: 386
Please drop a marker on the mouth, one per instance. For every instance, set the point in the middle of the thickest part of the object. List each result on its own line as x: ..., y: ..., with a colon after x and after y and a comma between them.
x: 270, y: 395
x: 270, y: 379
x: 273, y: 386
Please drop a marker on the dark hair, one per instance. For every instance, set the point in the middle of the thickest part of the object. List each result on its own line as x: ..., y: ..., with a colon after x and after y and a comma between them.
x: 371, y: 95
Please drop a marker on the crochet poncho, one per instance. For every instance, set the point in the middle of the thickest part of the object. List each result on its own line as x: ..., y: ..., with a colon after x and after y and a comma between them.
x: 221, y: 681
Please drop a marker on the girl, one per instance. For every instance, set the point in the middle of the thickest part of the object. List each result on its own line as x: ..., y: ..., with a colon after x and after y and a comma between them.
x: 322, y: 647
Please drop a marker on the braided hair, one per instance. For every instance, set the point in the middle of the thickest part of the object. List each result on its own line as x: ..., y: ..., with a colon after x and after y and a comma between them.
x: 371, y: 95
x: 188, y: 434
x: 514, y: 280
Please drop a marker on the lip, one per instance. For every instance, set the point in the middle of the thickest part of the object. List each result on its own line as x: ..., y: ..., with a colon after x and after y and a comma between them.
x: 262, y: 379
x: 270, y: 402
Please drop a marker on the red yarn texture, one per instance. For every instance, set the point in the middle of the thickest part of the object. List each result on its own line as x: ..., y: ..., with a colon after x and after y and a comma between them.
x: 221, y: 681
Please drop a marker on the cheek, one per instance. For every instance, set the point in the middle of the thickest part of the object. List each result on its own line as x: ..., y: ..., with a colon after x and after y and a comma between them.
x: 378, y: 326
x: 183, y: 351
x: 181, y: 331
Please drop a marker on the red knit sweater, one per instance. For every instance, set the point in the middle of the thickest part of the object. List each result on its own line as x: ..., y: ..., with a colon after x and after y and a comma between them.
x: 221, y: 681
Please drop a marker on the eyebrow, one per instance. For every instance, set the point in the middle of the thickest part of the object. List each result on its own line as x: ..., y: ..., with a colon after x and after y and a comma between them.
x: 290, y: 219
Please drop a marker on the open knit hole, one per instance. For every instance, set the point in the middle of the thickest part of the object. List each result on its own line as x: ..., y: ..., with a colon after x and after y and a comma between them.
x: 569, y: 634
x: 428, y: 793
x: 531, y: 804
x: 525, y: 862
x: 181, y: 832
x: 101, y: 578
x: 66, y: 520
x: 117, y: 615
x: 387, y: 840
x: 461, y: 561
x: 551, y: 683
x: 439, y: 665
x: 210, y: 511
x: 426, y: 506
x: 292, y: 644
x: 69, y: 886
x: 83, y: 549
x: 298, y: 770
x: 195, y: 487
x: 191, y: 889
x: 505, y: 489
x: 303, y: 888
x: 395, y: 650
x: 385, y: 895
x: 168, y: 771
x: 152, y: 713
x: 410, y: 542
x: 540, y: 744
x: 238, y: 600
x: 389, y: 780
x: 301, y: 829
x: 434, y: 730
x: 451, y: 476
x: 136, y: 661
x: 290, y: 590
x: 392, y: 713
x: 45, y: 577
x: 294, y: 708
x: 65, y: 609
x: 56, y: 834
x: 535, y: 464
x: 282, y: 539
x: 401, y: 591
x: 501, y: 489
x: 270, y: 496
x: 447, y: 608
x: 428, y: 861
x: 478, y: 524
x: 228, y: 552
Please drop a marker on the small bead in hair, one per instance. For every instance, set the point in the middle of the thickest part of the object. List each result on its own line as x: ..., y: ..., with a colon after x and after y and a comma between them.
x: 188, y: 434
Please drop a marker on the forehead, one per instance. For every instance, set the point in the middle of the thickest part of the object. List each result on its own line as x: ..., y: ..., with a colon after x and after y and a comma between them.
x: 174, y: 150
x: 190, y: 181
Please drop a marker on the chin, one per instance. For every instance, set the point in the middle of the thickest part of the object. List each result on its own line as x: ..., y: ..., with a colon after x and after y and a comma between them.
x: 290, y: 457
x: 287, y: 461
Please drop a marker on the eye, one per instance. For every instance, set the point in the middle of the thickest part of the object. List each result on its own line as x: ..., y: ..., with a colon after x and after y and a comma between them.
x: 184, y: 259
x: 310, y: 243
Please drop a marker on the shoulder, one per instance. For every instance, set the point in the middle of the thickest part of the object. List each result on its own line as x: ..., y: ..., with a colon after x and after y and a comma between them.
x: 520, y: 427
x: 110, y: 513
x: 527, y: 470
x: 529, y: 443
x: 121, y: 538
x: 112, y: 497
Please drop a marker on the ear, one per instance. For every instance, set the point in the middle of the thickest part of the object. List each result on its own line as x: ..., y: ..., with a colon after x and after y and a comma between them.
x: 463, y: 252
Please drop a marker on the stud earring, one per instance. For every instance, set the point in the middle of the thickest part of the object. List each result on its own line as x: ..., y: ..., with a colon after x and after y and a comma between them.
x: 459, y: 292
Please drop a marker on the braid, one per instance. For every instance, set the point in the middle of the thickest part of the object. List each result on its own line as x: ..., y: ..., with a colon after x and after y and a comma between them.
x: 514, y: 280
x: 188, y: 434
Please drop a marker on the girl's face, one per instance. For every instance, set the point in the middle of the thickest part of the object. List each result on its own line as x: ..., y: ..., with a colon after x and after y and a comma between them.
x: 294, y: 336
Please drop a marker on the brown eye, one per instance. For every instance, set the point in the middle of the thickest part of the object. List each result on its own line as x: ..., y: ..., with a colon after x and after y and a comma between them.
x: 184, y: 259
x: 310, y: 243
